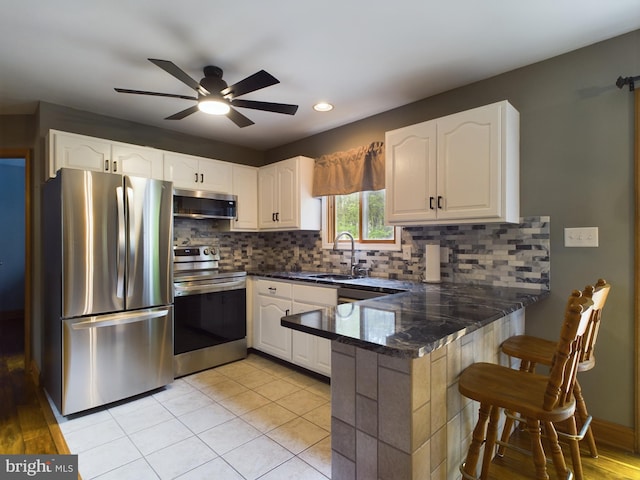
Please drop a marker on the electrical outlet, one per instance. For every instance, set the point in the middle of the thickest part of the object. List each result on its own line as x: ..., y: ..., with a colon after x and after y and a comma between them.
x: 581, y: 237
x: 249, y: 250
x: 406, y: 252
x: 296, y: 251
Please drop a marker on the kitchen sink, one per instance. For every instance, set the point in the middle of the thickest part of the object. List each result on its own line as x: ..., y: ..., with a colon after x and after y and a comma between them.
x: 334, y: 276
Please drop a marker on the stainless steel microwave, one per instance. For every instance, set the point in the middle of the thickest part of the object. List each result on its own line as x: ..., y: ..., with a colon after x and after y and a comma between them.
x: 199, y: 204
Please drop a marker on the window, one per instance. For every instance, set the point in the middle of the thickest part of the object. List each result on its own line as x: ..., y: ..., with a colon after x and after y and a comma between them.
x: 362, y: 215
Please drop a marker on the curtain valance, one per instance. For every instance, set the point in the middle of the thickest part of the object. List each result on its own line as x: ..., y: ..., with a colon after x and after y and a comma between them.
x: 356, y: 170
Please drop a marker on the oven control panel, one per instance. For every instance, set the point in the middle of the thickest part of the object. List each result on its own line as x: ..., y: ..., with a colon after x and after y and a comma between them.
x: 195, y: 254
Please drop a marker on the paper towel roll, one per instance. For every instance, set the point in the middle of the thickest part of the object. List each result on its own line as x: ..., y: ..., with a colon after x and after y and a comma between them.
x: 432, y: 263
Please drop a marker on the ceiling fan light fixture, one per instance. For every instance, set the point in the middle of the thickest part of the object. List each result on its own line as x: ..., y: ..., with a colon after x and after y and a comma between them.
x: 323, y: 107
x: 213, y: 106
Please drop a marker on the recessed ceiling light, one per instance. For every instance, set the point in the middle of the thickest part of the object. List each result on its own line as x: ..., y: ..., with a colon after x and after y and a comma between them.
x: 322, y: 107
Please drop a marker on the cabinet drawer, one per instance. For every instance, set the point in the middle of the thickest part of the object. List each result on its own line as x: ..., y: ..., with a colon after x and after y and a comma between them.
x: 315, y: 295
x: 274, y: 289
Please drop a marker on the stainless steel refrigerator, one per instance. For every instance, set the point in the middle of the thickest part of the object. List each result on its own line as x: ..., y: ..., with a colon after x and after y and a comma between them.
x: 108, y: 293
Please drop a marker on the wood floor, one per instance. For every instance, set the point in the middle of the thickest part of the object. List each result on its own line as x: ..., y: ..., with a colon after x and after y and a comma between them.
x: 28, y: 426
x: 611, y: 464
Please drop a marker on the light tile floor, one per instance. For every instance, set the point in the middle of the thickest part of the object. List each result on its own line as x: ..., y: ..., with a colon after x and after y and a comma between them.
x: 251, y: 419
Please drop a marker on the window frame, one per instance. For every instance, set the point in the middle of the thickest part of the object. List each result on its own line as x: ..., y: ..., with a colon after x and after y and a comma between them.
x: 328, y: 232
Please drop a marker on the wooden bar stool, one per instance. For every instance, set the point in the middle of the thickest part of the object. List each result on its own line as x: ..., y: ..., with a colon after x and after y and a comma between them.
x: 534, y: 350
x: 538, y: 399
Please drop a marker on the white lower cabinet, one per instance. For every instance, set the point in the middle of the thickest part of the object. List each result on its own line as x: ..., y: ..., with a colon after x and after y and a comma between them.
x: 276, y: 299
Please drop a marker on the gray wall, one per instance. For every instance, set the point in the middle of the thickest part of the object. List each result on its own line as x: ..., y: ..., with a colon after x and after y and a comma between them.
x: 576, y: 167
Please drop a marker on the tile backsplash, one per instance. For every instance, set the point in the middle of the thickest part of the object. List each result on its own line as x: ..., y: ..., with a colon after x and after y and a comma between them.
x: 515, y: 255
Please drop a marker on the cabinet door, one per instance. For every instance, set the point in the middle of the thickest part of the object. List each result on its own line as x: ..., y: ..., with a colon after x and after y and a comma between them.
x: 271, y: 336
x: 245, y: 187
x: 80, y: 152
x: 288, y: 203
x: 310, y: 351
x: 411, y: 174
x: 137, y: 161
x: 214, y: 176
x: 267, y: 193
x: 182, y: 170
x: 469, y: 168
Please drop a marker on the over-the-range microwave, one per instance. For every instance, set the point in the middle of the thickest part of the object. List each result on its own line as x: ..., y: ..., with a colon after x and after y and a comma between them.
x: 199, y: 204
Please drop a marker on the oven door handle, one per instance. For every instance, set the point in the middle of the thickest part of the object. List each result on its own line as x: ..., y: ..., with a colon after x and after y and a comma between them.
x: 182, y: 290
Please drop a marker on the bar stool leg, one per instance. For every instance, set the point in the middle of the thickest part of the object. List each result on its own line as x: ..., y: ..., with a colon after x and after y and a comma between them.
x: 581, y: 410
x: 539, y: 459
x: 489, y: 446
x: 469, y: 466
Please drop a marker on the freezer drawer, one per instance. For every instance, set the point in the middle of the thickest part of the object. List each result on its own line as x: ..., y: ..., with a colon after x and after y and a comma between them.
x: 111, y: 357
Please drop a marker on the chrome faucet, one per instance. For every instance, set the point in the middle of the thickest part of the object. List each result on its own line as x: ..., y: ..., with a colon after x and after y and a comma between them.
x: 353, y: 249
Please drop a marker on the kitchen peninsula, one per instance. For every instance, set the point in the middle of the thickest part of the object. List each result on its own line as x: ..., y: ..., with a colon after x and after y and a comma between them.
x: 396, y: 410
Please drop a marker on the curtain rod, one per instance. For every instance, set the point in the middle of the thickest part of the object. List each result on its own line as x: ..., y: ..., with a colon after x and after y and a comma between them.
x: 621, y: 82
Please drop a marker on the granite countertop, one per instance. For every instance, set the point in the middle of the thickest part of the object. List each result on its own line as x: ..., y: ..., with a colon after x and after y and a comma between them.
x: 409, y: 324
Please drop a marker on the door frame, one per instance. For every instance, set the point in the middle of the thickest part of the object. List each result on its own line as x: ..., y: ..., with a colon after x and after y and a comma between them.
x: 636, y: 263
x: 26, y: 154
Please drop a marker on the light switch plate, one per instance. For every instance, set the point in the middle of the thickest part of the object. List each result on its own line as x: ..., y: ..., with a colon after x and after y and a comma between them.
x: 406, y: 252
x: 581, y: 237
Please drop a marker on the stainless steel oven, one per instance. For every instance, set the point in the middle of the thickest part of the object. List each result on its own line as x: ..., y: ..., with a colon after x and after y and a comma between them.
x: 210, y: 325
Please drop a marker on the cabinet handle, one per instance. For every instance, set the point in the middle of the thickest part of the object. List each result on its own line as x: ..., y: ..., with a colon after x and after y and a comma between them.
x: 115, y: 166
x: 273, y: 217
x: 439, y: 202
x: 272, y: 289
x: 202, y: 178
x: 431, y: 199
x: 277, y: 216
x: 196, y: 178
x: 106, y: 165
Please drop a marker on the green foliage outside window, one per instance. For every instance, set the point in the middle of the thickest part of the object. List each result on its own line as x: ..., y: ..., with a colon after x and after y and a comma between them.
x: 372, y: 205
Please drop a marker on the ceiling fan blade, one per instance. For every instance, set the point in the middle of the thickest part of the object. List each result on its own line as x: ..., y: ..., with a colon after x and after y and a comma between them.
x: 267, y: 106
x: 252, y: 83
x: 155, y: 94
x: 172, y: 69
x: 184, y: 113
x: 239, y: 119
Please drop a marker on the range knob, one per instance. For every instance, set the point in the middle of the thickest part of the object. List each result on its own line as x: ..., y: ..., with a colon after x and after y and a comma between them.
x: 206, y: 251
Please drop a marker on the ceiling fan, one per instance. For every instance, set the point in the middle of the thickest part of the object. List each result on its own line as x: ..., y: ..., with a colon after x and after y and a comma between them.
x: 216, y: 97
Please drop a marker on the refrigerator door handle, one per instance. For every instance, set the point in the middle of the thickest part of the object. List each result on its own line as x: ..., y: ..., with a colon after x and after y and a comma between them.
x: 132, y: 242
x: 122, y: 243
x: 119, y: 319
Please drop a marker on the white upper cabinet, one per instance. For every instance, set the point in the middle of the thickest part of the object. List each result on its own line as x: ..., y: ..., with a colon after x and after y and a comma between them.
x: 70, y: 150
x: 284, y: 196
x: 197, y: 173
x: 137, y: 161
x: 462, y: 168
x: 245, y: 187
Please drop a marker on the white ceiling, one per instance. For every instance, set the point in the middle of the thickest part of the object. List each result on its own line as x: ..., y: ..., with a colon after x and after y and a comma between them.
x: 364, y: 56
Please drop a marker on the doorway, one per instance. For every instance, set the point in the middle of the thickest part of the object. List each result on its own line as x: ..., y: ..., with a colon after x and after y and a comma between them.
x: 15, y: 258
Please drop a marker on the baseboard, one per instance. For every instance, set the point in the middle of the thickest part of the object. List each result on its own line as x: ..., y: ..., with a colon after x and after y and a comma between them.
x: 34, y: 372
x: 613, y: 434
